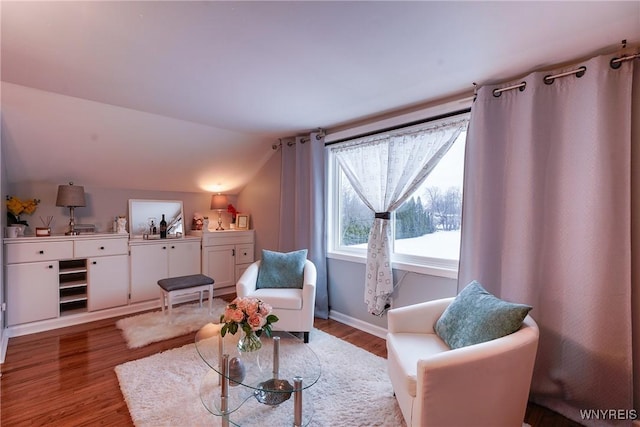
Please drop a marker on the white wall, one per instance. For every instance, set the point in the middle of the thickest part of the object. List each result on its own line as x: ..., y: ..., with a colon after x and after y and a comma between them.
x: 346, y: 291
x: 260, y: 198
x: 103, y: 204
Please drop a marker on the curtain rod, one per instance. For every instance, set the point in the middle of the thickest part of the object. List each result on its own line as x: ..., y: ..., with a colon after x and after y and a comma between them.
x: 404, y: 125
x: 615, y: 63
x: 548, y: 79
x: 292, y: 140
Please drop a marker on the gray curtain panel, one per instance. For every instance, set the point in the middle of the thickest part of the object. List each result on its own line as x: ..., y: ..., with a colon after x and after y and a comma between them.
x: 547, y: 222
x: 302, y: 207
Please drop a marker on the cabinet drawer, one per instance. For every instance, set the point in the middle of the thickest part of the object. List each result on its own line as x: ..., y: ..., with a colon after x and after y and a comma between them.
x: 216, y: 238
x: 100, y: 247
x: 244, y: 254
x: 36, y: 251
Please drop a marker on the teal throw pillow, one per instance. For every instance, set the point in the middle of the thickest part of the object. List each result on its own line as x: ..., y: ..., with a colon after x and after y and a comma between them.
x: 281, y: 270
x: 476, y: 316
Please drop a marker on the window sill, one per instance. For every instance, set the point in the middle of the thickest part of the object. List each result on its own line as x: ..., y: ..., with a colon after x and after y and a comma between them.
x: 430, y: 270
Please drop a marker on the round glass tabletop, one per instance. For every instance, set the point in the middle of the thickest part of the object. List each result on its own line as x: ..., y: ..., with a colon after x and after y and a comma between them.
x: 274, y: 367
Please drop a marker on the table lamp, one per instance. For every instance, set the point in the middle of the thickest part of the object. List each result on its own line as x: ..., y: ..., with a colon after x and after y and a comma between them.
x: 219, y: 203
x: 70, y: 196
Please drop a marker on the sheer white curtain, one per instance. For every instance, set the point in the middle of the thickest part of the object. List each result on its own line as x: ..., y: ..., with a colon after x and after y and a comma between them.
x: 547, y: 221
x: 302, y: 207
x: 384, y: 170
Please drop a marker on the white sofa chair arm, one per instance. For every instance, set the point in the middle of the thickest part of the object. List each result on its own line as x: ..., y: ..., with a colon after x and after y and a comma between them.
x: 418, y: 318
x: 309, y: 281
x: 247, y: 282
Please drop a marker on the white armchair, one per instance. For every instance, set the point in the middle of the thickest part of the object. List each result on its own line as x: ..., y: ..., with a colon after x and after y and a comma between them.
x: 294, y: 307
x: 484, y: 384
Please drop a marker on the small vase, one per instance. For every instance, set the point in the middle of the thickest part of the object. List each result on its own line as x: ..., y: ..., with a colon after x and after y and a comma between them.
x: 249, y: 342
x: 21, y: 228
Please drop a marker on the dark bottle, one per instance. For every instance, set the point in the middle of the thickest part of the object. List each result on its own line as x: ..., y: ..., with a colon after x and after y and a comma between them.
x: 152, y: 228
x: 163, y: 228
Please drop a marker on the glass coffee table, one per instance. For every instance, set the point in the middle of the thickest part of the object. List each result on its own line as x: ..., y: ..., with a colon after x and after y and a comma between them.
x: 242, y: 387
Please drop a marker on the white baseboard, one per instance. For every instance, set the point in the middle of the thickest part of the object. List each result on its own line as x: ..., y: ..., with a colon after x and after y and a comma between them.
x: 358, y: 324
x: 76, y: 319
x: 4, y: 343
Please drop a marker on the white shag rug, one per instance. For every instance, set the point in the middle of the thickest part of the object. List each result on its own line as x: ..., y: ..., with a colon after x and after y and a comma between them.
x: 353, y: 390
x: 154, y: 326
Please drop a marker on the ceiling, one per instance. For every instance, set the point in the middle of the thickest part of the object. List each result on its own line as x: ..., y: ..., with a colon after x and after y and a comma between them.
x: 190, y: 96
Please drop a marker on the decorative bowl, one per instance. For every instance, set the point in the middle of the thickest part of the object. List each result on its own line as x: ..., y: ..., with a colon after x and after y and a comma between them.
x: 273, y: 392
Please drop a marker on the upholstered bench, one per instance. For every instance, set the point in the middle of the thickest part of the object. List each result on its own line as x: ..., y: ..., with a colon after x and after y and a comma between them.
x: 174, y: 286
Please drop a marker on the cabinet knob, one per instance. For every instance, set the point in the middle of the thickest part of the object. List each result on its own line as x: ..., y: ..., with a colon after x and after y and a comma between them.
x: 102, y: 247
x: 50, y: 266
x: 40, y: 252
x: 173, y: 247
x: 164, y: 247
x: 94, y: 262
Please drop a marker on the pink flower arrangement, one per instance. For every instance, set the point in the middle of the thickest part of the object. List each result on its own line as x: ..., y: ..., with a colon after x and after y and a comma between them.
x: 250, y: 314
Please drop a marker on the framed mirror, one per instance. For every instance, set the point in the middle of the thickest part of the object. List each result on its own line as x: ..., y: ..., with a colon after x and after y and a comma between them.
x: 143, y: 214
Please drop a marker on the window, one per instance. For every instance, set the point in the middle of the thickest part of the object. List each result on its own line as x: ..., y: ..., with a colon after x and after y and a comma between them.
x: 426, y: 227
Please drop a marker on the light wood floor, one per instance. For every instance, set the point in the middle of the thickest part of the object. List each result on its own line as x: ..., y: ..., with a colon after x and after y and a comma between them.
x: 66, y: 377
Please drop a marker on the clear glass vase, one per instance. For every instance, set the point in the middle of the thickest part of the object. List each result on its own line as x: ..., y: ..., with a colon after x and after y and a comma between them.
x: 249, y: 342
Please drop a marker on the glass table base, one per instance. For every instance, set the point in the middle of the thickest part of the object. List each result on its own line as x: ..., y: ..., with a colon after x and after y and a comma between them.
x: 244, y: 407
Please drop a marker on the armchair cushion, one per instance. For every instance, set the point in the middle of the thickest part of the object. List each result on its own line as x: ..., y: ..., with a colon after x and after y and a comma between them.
x: 281, y: 270
x: 404, y: 345
x: 476, y: 316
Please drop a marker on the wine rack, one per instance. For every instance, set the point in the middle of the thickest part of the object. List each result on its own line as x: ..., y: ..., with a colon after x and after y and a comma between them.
x: 73, y: 286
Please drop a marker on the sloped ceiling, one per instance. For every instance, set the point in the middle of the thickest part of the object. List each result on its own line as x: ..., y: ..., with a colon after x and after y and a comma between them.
x: 190, y: 96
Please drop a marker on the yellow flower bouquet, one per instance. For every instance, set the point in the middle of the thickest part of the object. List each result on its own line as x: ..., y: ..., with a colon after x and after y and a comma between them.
x: 17, y: 207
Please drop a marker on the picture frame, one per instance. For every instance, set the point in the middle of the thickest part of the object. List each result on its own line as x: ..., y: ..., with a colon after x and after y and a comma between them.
x: 242, y: 221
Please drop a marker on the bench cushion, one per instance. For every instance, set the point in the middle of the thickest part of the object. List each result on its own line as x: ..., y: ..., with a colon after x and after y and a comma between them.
x: 184, y: 282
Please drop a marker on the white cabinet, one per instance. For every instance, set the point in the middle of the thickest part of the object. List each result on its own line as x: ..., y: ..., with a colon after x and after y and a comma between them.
x: 25, y: 251
x: 155, y: 260
x: 107, y: 263
x: 218, y: 262
x: 184, y: 258
x: 49, y: 277
x: 225, y: 256
x: 32, y: 292
x: 108, y: 281
x: 32, y: 278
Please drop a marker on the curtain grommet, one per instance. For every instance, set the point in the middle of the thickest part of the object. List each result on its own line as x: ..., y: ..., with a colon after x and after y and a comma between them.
x: 615, y: 63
